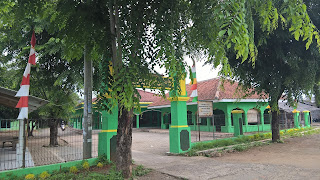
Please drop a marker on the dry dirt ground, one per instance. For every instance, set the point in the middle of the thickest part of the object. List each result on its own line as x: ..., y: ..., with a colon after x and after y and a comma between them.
x: 303, y: 152
x: 296, y: 158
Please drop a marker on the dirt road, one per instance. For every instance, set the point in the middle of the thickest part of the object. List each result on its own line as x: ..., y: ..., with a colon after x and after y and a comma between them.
x: 297, y: 158
x: 303, y: 152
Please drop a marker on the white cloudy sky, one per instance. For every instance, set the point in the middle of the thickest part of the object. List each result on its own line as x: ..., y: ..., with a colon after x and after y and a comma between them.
x: 204, y: 72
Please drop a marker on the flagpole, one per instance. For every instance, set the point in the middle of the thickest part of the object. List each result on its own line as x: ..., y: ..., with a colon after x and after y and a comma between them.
x: 194, y: 90
x: 23, y: 103
x: 198, y: 120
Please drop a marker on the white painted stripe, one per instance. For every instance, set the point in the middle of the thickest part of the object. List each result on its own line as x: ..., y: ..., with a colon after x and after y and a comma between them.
x: 27, y: 70
x: 23, y: 91
x: 242, y: 100
x: 32, y: 51
x: 23, y: 113
x: 194, y: 93
x: 193, y: 69
x: 168, y: 105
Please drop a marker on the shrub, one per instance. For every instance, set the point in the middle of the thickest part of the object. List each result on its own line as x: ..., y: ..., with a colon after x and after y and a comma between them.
x: 226, y: 142
x: 86, y: 165
x: 251, y: 138
x: 99, y: 165
x: 73, y: 169
x: 256, y: 137
x: 268, y: 135
x: 114, y: 174
x: 103, y: 159
x: 30, y: 176
x: 240, y: 139
x: 140, y: 171
x: 240, y: 147
x: 44, y: 175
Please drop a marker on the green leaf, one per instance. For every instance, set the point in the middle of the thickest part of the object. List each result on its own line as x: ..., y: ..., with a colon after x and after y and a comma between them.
x: 229, y: 32
x: 296, y: 35
x: 222, y: 32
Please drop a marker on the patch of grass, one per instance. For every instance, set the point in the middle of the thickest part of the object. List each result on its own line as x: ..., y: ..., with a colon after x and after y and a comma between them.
x: 114, y: 174
x: 87, y: 175
x: 225, y: 142
x: 241, y: 147
x: 243, y: 142
x: 12, y: 177
x: 102, y: 159
x: 257, y: 144
x: 140, y: 171
x: 280, y: 141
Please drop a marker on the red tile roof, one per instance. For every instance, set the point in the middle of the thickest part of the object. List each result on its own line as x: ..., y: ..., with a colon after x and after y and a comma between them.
x: 148, y: 96
x: 212, y: 90
x: 145, y: 96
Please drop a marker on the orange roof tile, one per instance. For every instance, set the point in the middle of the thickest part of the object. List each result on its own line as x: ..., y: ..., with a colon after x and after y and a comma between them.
x: 148, y: 96
x: 212, y: 90
x: 145, y: 96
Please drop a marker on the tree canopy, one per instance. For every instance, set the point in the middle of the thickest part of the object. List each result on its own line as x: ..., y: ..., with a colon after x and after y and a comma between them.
x: 137, y: 36
x: 285, y: 68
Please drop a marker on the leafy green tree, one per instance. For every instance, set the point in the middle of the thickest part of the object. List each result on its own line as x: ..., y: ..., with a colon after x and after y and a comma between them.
x: 314, y: 12
x: 136, y: 36
x: 284, y: 69
x: 53, y: 78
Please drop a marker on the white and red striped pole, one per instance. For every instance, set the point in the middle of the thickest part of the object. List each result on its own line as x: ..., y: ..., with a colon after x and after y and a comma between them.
x: 23, y: 92
x: 23, y: 103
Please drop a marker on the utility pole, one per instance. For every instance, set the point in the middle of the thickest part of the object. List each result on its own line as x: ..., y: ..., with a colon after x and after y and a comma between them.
x: 87, y: 109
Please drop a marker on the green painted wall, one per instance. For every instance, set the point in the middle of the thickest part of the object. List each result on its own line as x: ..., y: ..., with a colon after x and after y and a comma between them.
x: 14, y: 125
x: 226, y: 108
x: 39, y: 169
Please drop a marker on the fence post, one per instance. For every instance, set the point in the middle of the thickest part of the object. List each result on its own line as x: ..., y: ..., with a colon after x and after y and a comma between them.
x: 237, y: 114
x: 137, y: 121
x: 306, y: 118
x: 286, y: 119
x: 296, y: 118
x: 87, y: 107
x: 20, y: 146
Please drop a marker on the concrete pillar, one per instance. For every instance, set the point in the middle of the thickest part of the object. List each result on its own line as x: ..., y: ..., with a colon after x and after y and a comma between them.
x: 296, y: 118
x: 158, y: 118
x: 162, y: 121
x: 108, y: 135
x: 245, y: 121
x: 137, y: 121
x: 237, y: 114
x: 306, y: 118
x: 179, y: 131
x: 194, y: 120
x: 208, y: 124
x: 180, y: 138
x: 262, y: 120
x: 228, y: 122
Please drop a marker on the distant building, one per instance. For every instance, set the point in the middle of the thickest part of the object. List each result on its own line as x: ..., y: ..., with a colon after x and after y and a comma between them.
x: 225, y: 97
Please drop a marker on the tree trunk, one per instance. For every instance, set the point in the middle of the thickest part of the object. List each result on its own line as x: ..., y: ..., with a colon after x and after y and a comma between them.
x: 275, y: 126
x: 30, y: 131
x: 53, y: 124
x: 28, y: 122
x: 124, y: 132
x: 124, y: 142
